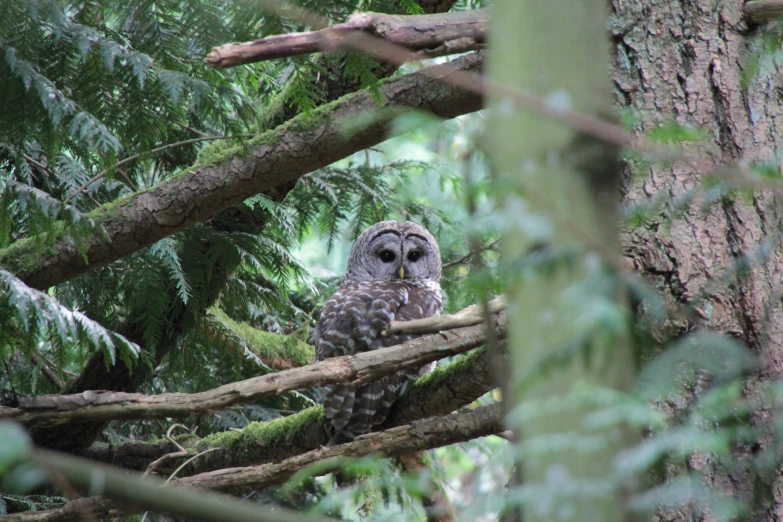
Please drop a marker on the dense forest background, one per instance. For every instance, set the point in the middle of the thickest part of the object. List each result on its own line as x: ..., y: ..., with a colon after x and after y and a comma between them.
x: 172, y: 222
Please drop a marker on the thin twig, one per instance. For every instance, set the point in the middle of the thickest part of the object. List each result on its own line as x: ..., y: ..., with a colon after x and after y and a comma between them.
x: 191, y: 129
x: 470, y: 316
x: 462, y: 260
x: 47, y: 369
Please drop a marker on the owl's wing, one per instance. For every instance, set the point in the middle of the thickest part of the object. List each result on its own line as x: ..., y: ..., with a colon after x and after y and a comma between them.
x: 422, y: 301
x: 350, y: 323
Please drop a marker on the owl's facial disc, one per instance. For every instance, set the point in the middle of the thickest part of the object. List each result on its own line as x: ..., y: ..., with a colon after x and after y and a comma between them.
x: 395, y: 250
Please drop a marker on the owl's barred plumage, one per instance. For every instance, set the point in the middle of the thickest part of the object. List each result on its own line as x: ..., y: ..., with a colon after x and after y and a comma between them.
x: 372, y: 295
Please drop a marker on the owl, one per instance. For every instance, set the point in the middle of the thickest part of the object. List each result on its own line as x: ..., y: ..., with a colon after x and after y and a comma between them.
x: 393, y: 275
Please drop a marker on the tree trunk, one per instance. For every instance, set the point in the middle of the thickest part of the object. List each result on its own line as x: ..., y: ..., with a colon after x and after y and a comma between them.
x: 683, y: 61
x: 689, y: 61
x: 569, y: 181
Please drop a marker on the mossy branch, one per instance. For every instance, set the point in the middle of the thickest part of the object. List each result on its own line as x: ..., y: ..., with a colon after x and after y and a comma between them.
x: 228, y: 173
x: 278, y: 351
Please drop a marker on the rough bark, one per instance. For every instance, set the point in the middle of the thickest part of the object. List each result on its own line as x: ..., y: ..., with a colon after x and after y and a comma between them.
x: 761, y: 11
x: 684, y: 62
x: 421, y: 435
x: 687, y: 62
x: 430, y: 35
x: 53, y: 410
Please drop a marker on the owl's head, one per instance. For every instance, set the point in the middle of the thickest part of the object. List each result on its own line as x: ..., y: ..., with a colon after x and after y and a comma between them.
x: 395, y: 250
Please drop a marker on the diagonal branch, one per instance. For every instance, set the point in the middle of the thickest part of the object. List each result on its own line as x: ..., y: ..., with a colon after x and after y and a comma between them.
x: 50, y: 410
x: 470, y: 316
x: 266, y: 164
x: 429, y: 35
x: 420, y: 435
x: 447, y: 389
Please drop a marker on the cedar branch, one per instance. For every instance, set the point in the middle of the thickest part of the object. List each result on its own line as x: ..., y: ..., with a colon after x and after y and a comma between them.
x: 429, y: 35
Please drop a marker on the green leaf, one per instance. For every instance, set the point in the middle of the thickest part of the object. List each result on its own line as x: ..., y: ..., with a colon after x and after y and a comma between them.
x: 15, y: 446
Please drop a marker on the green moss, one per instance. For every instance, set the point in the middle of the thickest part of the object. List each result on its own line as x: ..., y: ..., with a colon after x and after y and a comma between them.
x: 24, y: 256
x: 242, y: 447
x: 434, y: 379
x: 269, y: 345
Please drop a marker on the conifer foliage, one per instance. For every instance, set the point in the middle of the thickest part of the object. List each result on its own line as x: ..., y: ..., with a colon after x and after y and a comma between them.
x: 101, y: 99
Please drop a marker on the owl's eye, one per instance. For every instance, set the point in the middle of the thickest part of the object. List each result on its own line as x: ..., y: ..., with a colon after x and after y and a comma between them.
x: 387, y: 256
x: 414, y: 256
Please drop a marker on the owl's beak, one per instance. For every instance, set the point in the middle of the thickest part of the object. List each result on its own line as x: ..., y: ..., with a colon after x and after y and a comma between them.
x: 402, y: 272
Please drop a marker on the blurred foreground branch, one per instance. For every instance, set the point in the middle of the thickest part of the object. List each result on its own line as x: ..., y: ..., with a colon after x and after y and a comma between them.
x: 420, y: 435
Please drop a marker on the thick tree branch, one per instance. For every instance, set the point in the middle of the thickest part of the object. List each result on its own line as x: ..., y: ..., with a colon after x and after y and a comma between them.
x: 52, y: 410
x: 420, y: 435
x: 430, y: 35
x: 266, y: 165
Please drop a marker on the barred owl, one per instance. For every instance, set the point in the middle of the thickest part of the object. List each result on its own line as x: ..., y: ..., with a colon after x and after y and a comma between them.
x: 393, y: 274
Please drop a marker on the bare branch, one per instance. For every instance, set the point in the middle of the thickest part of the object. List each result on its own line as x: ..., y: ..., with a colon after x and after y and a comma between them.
x: 49, y: 410
x: 430, y: 35
x: 470, y: 316
x: 763, y: 11
x: 420, y: 435
x: 463, y: 260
